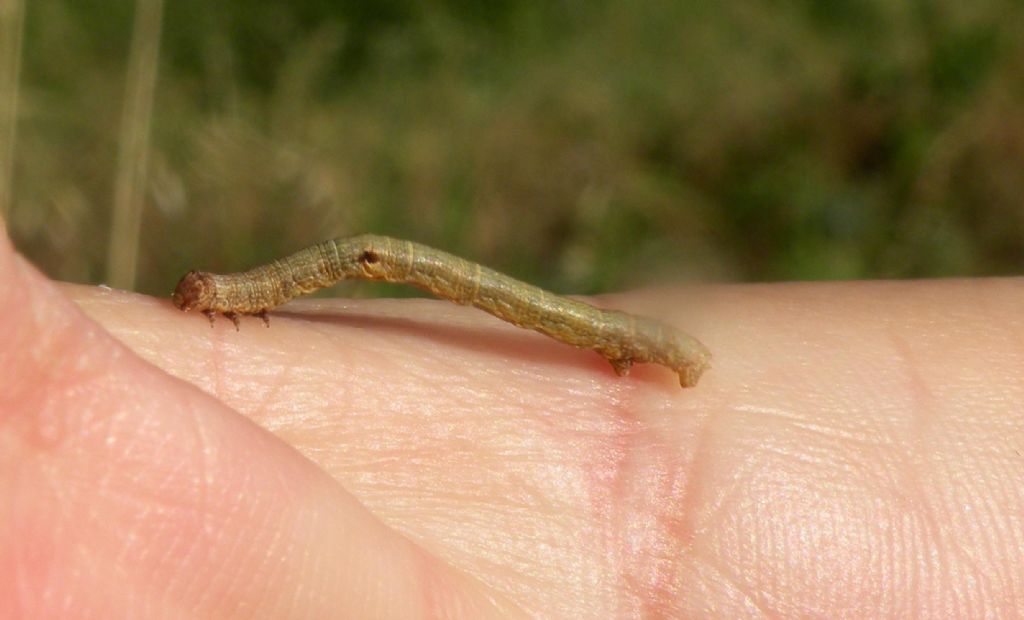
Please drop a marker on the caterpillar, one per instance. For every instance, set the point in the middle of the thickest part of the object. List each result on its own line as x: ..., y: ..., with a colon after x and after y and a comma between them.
x: 623, y: 339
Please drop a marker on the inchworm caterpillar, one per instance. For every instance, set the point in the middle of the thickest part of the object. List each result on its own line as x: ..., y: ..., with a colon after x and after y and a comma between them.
x: 623, y: 339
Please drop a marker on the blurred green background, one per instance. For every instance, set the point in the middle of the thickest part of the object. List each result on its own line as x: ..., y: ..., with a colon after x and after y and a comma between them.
x: 582, y: 145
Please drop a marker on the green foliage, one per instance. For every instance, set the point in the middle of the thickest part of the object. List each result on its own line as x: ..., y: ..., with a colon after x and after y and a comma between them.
x: 585, y: 146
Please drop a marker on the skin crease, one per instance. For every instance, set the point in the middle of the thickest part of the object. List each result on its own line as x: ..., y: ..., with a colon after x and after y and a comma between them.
x: 855, y: 451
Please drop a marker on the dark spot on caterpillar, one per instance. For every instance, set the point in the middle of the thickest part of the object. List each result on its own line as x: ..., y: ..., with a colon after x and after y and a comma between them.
x: 369, y: 257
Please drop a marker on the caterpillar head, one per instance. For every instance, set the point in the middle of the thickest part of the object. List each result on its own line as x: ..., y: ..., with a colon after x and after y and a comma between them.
x: 195, y: 291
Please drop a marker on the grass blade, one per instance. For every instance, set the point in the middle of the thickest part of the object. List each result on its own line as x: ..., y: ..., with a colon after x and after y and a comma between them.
x: 133, y: 145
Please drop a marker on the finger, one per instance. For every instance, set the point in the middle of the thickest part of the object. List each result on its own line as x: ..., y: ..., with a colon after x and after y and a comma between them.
x: 506, y: 453
x: 861, y: 452
x: 128, y: 493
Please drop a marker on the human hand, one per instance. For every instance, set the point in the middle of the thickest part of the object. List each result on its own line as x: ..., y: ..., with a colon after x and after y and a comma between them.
x: 855, y: 451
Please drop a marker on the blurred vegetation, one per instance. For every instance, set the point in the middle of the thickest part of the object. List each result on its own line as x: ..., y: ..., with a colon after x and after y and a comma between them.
x: 583, y: 145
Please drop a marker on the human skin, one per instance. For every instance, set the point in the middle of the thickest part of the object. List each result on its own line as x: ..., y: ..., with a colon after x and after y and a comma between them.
x: 855, y: 451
